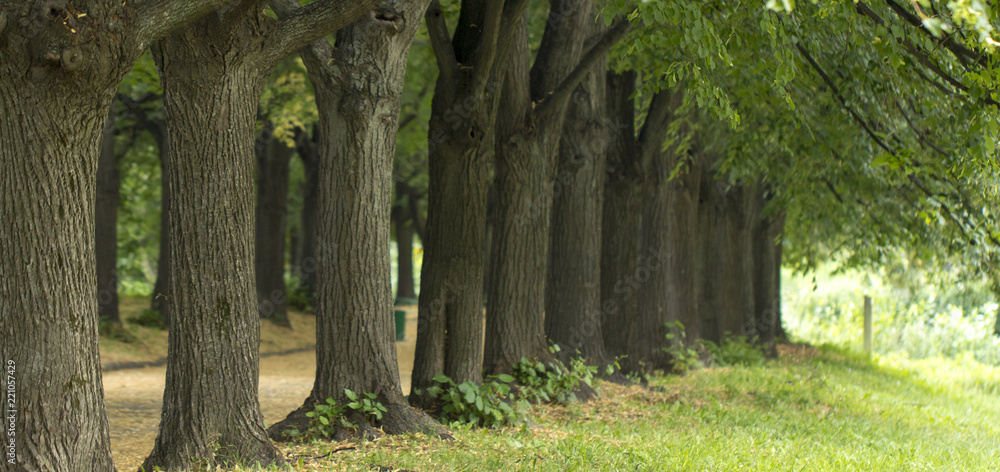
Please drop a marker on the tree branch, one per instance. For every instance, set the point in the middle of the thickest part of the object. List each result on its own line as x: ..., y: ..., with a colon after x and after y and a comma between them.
x: 300, y: 26
x: 159, y: 17
x: 961, y: 52
x: 560, y: 96
x: 444, y: 51
x: 654, y: 130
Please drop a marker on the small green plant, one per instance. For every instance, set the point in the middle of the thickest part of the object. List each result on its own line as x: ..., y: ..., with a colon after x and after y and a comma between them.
x: 298, y: 295
x: 487, y: 405
x: 683, y: 357
x: 365, y: 404
x: 735, y: 351
x: 552, y: 382
x: 326, y: 417
x: 149, y: 318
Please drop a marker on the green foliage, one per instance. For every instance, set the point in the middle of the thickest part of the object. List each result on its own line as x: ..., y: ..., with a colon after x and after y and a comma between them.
x: 365, y: 404
x: 735, y: 351
x: 683, y: 356
x: 552, y: 382
x: 327, y: 417
x: 487, y: 405
x: 149, y: 318
x: 913, y: 318
x: 298, y: 295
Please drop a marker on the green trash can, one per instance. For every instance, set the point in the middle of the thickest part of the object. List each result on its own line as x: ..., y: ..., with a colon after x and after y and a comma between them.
x: 400, y: 325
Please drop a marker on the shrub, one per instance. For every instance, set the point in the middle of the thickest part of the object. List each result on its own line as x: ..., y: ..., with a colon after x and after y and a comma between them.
x: 735, y: 351
x: 552, y: 382
x: 683, y: 357
x: 487, y: 405
x: 149, y: 318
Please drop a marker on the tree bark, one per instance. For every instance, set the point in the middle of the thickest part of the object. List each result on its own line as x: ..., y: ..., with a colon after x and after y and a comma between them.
x: 106, y: 225
x: 405, y: 287
x: 210, y: 407
x: 273, y: 157
x: 526, y: 149
x: 161, y: 291
x: 766, y: 253
x: 460, y: 147
x: 621, y: 219
x: 306, y: 264
x: 358, y: 96
x: 49, y: 288
x: 573, y: 295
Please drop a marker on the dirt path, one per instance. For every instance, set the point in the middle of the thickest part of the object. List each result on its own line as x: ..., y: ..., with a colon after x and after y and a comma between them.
x: 133, y: 397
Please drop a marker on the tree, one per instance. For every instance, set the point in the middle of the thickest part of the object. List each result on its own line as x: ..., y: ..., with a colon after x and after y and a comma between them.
x: 213, y: 73
x: 572, y: 294
x: 358, y: 87
x: 273, y: 156
x: 106, y: 225
x: 534, y: 102
x: 460, y: 145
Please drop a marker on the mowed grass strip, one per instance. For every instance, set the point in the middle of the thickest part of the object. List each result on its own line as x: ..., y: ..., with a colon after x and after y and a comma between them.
x: 809, y: 410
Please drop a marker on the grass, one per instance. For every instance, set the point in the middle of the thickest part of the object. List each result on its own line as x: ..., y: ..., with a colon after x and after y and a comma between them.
x: 809, y: 410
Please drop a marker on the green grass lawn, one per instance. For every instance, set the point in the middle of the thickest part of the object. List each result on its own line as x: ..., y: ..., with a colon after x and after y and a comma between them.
x: 809, y: 410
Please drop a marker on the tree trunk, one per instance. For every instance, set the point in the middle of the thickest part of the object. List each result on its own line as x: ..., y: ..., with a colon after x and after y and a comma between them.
x: 306, y: 264
x: 48, y: 316
x: 730, y: 272
x: 273, y: 157
x: 405, y: 287
x: 358, y: 116
x: 766, y: 253
x: 161, y: 291
x: 573, y: 295
x: 526, y: 150
x: 460, y: 146
x: 621, y: 219
x: 211, y: 412
x: 106, y: 225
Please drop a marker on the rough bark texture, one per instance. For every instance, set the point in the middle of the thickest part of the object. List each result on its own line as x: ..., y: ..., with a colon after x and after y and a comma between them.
x: 460, y: 146
x: 58, y: 74
x: 402, y: 220
x: 358, y: 96
x: 106, y: 225
x: 622, y: 220
x: 273, y: 157
x: 573, y: 295
x: 305, y: 258
x: 728, y: 278
x: 526, y: 150
x: 210, y: 408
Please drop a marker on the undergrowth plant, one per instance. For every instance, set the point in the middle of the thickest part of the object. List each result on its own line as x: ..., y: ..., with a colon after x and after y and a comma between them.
x: 735, y: 351
x: 326, y: 417
x: 488, y: 405
x: 554, y: 381
x: 683, y: 355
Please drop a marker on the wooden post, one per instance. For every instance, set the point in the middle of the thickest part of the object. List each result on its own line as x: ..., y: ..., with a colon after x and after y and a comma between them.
x: 868, y: 324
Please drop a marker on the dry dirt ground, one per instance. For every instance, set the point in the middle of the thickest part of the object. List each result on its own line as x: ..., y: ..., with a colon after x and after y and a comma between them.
x: 133, y: 396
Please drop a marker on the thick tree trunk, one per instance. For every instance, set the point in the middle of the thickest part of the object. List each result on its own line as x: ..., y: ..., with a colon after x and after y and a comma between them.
x: 48, y: 314
x: 273, y: 157
x: 766, y: 253
x: 526, y: 150
x: 729, y: 271
x: 210, y: 408
x: 358, y: 113
x: 621, y: 219
x: 106, y: 225
x: 460, y: 146
x: 573, y: 295
x: 405, y: 287
x: 306, y: 264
